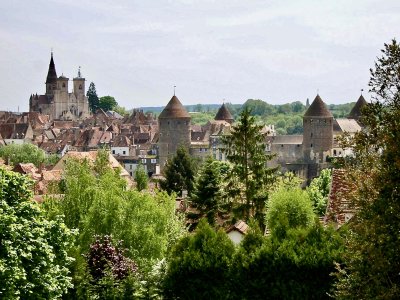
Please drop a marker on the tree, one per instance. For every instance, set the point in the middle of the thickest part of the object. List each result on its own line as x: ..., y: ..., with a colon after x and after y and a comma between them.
x: 179, y: 173
x: 194, y: 263
x: 33, y: 251
x: 141, y: 178
x: 372, y: 266
x: 96, y: 202
x: 296, y: 267
x: 23, y: 153
x: 107, y: 103
x: 93, y: 99
x: 318, y: 191
x: 250, y: 178
x: 207, y: 196
x: 288, y: 208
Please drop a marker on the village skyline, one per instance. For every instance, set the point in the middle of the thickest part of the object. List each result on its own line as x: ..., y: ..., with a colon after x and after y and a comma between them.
x: 210, y: 50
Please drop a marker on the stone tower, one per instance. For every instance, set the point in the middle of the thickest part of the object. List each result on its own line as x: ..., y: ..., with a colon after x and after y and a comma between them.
x: 174, y: 130
x: 79, y: 85
x: 224, y: 114
x: 318, y: 132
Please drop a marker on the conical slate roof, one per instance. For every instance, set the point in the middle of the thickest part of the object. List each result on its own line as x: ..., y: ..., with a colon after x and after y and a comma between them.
x: 356, y: 110
x: 174, y: 109
x: 318, y: 109
x: 51, y: 74
x: 223, y: 114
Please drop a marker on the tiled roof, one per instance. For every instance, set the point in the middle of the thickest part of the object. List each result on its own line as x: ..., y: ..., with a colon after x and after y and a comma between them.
x: 174, y: 109
x: 223, y: 114
x: 318, y: 109
x: 355, y: 113
x: 240, y: 226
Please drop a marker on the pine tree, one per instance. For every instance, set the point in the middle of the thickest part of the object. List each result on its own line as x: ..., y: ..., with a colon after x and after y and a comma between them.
x: 250, y: 178
x: 208, y: 192
x: 179, y: 173
x: 93, y: 99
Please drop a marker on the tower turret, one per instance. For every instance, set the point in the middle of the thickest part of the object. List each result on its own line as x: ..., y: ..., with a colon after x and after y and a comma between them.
x: 224, y: 114
x: 174, y: 128
x: 355, y: 113
x: 318, y: 131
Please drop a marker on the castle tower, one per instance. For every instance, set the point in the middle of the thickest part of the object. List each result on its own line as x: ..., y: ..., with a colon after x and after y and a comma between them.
x: 174, y: 129
x: 355, y: 113
x: 318, y: 132
x: 224, y: 114
x: 51, y: 80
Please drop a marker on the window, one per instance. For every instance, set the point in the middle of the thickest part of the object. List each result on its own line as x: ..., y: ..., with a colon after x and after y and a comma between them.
x: 80, y: 86
x: 113, y: 152
x: 63, y: 85
x: 143, y: 160
x: 311, y: 145
x: 123, y: 152
x: 153, y: 161
x: 130, y: 167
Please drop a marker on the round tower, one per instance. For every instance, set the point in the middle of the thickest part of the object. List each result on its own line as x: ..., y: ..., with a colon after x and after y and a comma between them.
x: 318, y: 132
x: 174, y: 129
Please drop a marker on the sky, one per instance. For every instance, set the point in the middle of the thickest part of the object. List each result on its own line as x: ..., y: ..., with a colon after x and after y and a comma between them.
x: 212, y: 51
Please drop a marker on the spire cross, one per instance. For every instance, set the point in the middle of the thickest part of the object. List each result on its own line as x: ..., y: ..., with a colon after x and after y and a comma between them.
x: 79, y: 71
x: 174, y: 89
x: 362, y: 90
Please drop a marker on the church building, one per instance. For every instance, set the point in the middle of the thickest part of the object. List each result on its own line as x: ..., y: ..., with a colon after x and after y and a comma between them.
x: 58, y: 103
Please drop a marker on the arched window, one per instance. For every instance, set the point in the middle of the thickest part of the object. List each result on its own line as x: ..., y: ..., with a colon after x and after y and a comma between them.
x: 63, y: 85
x: 80, y: 86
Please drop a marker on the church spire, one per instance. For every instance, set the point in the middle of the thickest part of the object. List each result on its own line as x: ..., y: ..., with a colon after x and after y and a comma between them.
x: 51, y: 74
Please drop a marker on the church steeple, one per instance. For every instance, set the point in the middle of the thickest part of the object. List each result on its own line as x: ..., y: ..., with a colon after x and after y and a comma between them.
x: 51, y: 74
x: 51, y: 80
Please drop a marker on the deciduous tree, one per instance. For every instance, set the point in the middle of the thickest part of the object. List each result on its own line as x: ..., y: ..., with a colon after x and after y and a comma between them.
x: 372, y: 264
x: 107, y: 103
x: 33, y: 251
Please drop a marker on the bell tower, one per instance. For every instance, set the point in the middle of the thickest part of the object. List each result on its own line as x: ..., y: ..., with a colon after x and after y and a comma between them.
x: 79, y: 85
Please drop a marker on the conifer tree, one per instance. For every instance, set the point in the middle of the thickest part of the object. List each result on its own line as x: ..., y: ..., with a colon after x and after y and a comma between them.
x: 250, y: 179
x: 179, y: 173
x: 93, y: 99
x: 208, y: 191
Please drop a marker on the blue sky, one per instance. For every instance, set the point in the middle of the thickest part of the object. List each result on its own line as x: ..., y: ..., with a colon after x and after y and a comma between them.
x: 136, y: 51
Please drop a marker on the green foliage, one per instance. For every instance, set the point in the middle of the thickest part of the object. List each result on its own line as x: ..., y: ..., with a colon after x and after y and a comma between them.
x: 107, y: 103
x: 93, y: 99
x: 141, y: 178
x: 33, y: 250
x: 208, y: 192
x: 297, y: 267
x: 198, y: 267
x: 96, y: 201
x: 202, y: 118
x: 318, y: 191
x: 121, y: 110
x: 288, y: 208
x: 372, y: 265
x: 250, y: 179
x: 179, y: 173
x: 24, y: 153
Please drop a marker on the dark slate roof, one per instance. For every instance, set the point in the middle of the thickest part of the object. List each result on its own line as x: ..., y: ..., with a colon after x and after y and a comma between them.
x: 223, y: 114
x: 52, y: 74
x: 356, y: 111
x: 174, y: 109
x: 318, y: 109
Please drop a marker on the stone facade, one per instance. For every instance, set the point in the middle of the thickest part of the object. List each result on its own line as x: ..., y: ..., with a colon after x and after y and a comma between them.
x: 58, y: 103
